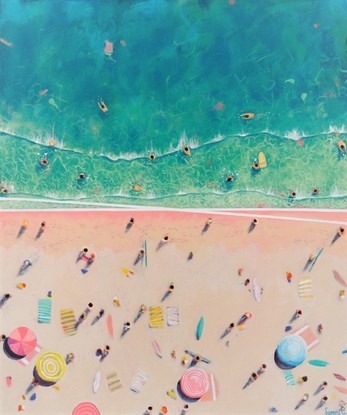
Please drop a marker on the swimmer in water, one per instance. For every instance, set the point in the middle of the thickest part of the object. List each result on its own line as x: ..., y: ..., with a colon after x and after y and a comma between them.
x: 186, y: 150
x: 229, y: 178
x: 151, y: 156
x: 81, y: 176
x: 247, y: 115
x: 44, y: 160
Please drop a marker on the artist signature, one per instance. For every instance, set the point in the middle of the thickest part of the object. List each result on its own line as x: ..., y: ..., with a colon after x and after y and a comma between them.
x: 341, y: 411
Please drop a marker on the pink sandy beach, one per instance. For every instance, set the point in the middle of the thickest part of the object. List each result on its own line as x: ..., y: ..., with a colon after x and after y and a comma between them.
x: 208, y: 285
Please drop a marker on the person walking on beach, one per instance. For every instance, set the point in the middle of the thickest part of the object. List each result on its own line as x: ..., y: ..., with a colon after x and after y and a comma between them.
x: 168, y: 292
x: 129, y: 224
x: 23, y: 228
x: 85, y: 313
x: 207, y: 225
x: 262, y: 369
x: 252, y: 225
x: 82, y: 255
x: 148, y: 411
x: 105, y: 353
x: 41, y: 230
x: 227, y: 330
x: 338, y: 235
x: 322, y: 402
x: 247, y: 315
x: 252, y: 379
x: 163, y: 241
x: 4, y: 299
x: 140, y: 256
x: 185, y: 409
x: 297, y: 314
x: 69, y: 358
x: 24, y: 267
x: 302, y: 400
x: 190, y: 256
x: 126, y: 328
x: 321, y: 387
x: 195, y: 360
x: 309, y: 261
x: 98, y: 317
x: 142, y: 310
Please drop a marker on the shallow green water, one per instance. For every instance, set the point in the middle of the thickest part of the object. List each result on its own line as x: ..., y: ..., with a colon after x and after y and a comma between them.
x: 181, y: 73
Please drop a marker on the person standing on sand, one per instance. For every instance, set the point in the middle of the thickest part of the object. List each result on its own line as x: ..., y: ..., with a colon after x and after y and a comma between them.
x: 129, y: 224
x: 140, y: 256
x: 163, y: 241
x: 168, y: 292
x: 252, y: 225
x: 105, y: 353
x: 142, y: 310
x: 126, y: 328
x: 302, y: 400
x: 227, y: 330
x: 41, y: 230
x: 148, y: 411
x: 82, y: 254
x: 185, y: 409
x: 4, y: 299
x: 207, y: 225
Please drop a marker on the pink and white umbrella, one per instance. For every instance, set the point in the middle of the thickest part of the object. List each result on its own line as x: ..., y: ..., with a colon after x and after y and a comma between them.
x: 22, y: 341
x: 194, y: 383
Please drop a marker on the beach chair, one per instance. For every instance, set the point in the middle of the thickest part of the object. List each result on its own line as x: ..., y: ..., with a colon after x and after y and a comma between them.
x: 156, y: 317
x: 68, y: 321
x: 308, y: 336
x: 113, y: 382
x: 172, y: 316
x: 45, y: 310
x: 139, y: 380
x: 305, y: 288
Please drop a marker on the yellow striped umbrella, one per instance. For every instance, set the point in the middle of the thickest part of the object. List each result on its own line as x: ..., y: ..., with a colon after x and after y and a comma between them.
x: 50, y: 366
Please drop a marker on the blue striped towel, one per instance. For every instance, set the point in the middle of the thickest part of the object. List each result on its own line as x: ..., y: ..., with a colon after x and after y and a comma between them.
x: 45, y: 309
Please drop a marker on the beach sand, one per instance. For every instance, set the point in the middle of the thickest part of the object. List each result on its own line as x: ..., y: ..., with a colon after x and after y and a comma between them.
x: 208, y: 285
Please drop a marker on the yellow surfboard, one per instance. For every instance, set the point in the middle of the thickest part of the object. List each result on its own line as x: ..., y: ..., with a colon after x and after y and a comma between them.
x: 262, y: 160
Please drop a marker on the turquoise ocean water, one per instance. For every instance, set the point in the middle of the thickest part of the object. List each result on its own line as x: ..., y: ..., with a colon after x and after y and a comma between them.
x: 181, y: 74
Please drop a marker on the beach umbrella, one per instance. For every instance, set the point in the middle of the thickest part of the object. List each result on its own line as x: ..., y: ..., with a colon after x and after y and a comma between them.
x: 50, y: 368
x: 21, y: 341
x: 291, y: 351
x: 85, y: 408
x: 194, y: 383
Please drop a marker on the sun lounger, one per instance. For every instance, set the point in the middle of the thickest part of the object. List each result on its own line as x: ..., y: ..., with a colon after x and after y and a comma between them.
x: 308, y: 335
x: 113, y: 382
x: 139, y: 380
x: 156, y: 317
x: 45, y: 310
x: 68, y: 321
x: 172, y: 316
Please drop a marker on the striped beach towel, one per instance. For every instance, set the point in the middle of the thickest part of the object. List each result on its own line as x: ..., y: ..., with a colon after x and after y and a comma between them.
x: 305, y: 288
x: 68, y: 321
x: 172, y: 316
x: 289, y: 378
x: 45, y: 310
x: 156, y: 317
x: 139, y: 380
x: 113, y: 382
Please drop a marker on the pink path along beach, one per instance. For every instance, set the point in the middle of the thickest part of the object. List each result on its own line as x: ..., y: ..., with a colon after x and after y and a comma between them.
x: 115, y: 308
